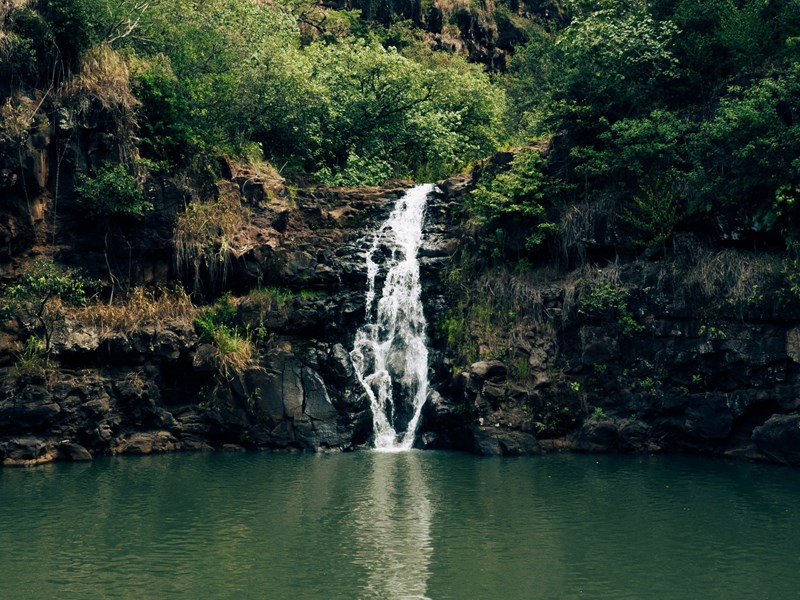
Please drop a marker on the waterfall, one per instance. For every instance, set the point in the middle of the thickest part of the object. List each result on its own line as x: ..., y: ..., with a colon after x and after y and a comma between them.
x: 389, y: 355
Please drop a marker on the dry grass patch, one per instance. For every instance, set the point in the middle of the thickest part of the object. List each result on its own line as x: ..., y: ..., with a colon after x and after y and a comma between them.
x: 104, y: 77
x: 16, y: 119
x: 143, y: 307
x: 733, y: 277
x: 578, y: 226
x: 497, y: 312
x: 207, y: 236
x: 104, y: 80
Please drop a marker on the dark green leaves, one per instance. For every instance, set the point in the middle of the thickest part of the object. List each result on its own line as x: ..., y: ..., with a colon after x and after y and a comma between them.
x: 113, y: 192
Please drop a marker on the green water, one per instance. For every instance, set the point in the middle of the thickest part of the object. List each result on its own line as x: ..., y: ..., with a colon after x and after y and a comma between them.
x: 413, y: 525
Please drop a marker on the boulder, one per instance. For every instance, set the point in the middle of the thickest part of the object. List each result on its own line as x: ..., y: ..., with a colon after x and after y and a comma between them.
x: 28, y: 451
x: 597, y: 347
x: 793, y: 344
x: 340, y: 364
x: 25, y: 448
x: 30, y: 408
x: 292, y: 389
x: 496, y: 441
x: 597, y: 436
x: 205, y: 358
x: 779, y: 438
x: 318, y: 404
x: 634, y: 436
x: 147, y: 443
x: 489, y: 370
x: 74, y: 452
x: 708, y: 417
x: 441, y: 412
x: 268, y: 391
x: 79, y: 340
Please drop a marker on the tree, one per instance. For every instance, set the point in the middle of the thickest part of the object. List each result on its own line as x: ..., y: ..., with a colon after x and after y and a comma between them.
x: 746, y: 171
x: 617, y: 65
x: 211, y: 74
x: 35, y: 301
x: 516, y: 198
x: 405, y: 116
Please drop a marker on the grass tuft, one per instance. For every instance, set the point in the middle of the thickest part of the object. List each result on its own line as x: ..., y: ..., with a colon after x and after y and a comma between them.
x: 207, y: 236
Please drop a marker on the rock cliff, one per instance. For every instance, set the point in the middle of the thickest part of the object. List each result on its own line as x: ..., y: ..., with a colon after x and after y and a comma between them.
x: 158, y: 385
x: 694, y: 349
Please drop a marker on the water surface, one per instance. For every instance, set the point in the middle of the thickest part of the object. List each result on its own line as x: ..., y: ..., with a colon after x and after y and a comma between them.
x: 403, y: 525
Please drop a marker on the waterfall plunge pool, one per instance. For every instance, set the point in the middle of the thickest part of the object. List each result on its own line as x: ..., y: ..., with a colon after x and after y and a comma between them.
x: 399, y: 525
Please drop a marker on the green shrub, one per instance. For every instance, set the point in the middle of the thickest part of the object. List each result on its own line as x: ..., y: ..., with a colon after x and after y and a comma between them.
x: 515, y: 198
x: 270, y: 297
x: 236, y: 349
x: 37, y: 298
x: 606, y: 300
x: 652, y: 215
x: 357, y: 171
x: 113, y: 192
x: 31, y: 360
x: 219, y: 315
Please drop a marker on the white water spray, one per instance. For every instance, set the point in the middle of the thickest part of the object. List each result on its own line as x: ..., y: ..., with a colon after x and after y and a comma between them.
x: 389, y: 355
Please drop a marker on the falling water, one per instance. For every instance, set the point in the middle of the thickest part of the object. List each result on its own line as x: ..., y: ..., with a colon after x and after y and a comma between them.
x: 389, y: 355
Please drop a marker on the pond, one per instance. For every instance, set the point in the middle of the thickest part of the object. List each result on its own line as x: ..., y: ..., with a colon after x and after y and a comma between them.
x: 399, y: 525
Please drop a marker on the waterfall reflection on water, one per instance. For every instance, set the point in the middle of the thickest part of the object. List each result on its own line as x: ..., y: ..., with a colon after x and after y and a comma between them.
x: 392, y: 520
x: 389, y: 354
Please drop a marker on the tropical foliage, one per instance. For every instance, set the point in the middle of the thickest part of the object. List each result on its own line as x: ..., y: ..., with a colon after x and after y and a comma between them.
x: 667, y: 115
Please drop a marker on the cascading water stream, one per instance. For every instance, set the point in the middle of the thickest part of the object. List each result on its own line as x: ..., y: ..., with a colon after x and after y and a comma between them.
x: 389, y: 355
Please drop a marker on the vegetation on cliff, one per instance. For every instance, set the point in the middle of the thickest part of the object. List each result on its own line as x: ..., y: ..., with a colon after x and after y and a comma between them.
x: 662, y: 117
x: 184, y: 82
x: 665, y: 116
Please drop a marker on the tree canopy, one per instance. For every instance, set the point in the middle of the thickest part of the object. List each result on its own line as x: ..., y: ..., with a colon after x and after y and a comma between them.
x: 684, y: 108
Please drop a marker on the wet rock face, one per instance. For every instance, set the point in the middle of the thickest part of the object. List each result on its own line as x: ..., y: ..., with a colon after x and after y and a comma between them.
x: 671, y: 386
x: 161, y: 388
x: 302, y: 396
x: 317, y: 241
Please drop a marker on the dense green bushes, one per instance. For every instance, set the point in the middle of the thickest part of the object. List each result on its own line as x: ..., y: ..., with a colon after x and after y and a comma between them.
x: 223, y: 76
x: 655, y: 110
x: 516, y: 198
x: 381, y: 113
x: 669, y: 115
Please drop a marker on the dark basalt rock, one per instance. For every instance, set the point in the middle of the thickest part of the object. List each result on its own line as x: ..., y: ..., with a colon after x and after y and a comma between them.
x: 489, y: 370
x: 597, y: 436
x: 159, y: 388
x: 147, y: 443
x: 690, y: 377
x: 74, y: 452
x: 495, y: 441
x: 779, y: 438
